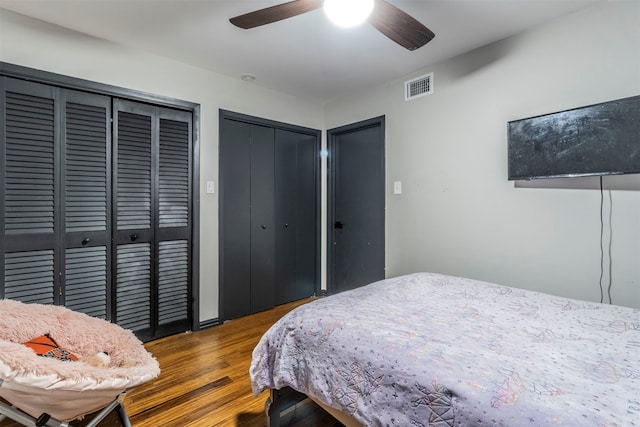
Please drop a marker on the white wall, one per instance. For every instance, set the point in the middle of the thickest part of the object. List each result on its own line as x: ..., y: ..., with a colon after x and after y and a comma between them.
x: 32, y: 43
x: 458, y: 214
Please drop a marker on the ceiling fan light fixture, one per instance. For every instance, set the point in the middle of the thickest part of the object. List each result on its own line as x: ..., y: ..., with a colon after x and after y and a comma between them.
x: 348, y: 13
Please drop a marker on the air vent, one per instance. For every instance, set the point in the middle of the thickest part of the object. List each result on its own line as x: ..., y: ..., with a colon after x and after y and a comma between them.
x: 418, y: 87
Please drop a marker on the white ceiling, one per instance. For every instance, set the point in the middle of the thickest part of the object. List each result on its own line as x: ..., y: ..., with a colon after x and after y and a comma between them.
x: 306, y: 55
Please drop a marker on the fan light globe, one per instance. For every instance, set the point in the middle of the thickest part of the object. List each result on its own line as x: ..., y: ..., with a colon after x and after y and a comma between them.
x: 348, y: 13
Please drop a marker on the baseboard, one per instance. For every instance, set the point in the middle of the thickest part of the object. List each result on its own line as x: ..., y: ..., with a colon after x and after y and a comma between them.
x: 208, y: 323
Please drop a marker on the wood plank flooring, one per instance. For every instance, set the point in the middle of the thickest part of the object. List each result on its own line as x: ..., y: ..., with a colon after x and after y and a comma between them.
x: 204, y: 381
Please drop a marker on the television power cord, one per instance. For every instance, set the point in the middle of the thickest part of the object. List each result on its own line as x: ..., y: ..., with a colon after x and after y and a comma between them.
x: 602, y: 244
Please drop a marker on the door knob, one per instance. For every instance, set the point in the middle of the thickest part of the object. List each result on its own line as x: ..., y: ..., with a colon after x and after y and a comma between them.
x: 134, y: 237
x: 264, y: 227
x: 338, y: 224
x: 286, y: 225
x: 85, y: 241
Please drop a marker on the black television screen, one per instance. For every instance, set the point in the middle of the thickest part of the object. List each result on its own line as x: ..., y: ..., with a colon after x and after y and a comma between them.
x: 601, y: 139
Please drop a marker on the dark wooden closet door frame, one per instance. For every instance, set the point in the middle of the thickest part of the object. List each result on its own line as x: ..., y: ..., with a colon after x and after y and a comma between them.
x: 62, y: 81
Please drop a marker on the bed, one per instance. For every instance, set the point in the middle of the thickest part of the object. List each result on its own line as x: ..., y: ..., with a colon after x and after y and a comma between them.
x: 434, y: 350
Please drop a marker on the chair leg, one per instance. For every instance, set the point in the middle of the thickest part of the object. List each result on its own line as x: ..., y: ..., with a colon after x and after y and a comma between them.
x: 16, y: 415
x: 123, y: 416
x: 25, y: 419
x: 117, y: 403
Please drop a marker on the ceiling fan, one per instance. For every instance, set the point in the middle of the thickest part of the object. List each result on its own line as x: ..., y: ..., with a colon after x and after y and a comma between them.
x: 397, y: 25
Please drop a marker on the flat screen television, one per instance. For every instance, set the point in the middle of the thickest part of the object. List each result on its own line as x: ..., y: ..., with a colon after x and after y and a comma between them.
x: 601, y: 139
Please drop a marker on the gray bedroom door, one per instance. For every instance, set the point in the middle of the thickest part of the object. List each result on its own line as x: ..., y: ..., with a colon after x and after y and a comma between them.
x: 356, y: 205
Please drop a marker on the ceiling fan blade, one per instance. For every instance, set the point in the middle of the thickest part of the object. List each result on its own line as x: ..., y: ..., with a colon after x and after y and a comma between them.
x: 275, y: 13
x: 399, y: 26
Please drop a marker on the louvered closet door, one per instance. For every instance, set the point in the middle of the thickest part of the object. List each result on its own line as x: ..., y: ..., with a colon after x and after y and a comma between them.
x: 28, y: 168
x: 133, y: 201
x: 152, y: 199
x: 86, y: 188
x: 173, y: 228
x: 55, y: 217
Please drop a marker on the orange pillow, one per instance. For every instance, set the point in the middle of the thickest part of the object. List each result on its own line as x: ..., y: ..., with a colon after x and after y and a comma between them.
x: 46, y: 346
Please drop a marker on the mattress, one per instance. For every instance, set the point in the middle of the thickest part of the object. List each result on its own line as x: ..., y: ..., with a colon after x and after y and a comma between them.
x: 429, y: 349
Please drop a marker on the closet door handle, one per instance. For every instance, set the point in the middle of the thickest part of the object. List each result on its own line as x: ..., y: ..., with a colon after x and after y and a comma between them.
x: 134, y: 237
x: 286, y: 225
x: 264, y: 227
x: 85, y: 241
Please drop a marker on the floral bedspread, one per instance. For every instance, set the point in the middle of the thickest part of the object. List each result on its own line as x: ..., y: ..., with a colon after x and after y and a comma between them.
x: 434, y: 350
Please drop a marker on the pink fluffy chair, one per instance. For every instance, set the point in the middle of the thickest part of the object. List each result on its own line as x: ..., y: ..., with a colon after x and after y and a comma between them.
x: 46, y: 391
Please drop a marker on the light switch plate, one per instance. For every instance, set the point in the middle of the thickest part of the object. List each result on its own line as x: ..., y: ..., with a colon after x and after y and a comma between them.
x: 397, y: 187
x: 211, y: 189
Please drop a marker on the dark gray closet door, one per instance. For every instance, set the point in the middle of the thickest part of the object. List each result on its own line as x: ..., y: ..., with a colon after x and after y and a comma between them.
x: 262, y: 219
x: 174, y: 221
x: 246, y: 218
x: 269, y: 210
x: 29, y: 169
x: 152, y: 199
x: 86, y: 189
x: 55, y: 217
x: 134, y: 132
x: 296, y: 215
x: 235, y: 219
x: 98, y: 222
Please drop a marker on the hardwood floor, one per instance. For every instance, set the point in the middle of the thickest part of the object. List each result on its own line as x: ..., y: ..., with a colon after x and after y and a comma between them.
x: 205, y: 381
